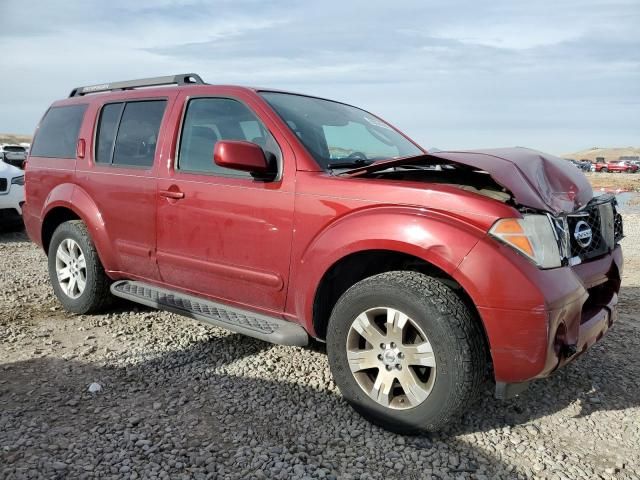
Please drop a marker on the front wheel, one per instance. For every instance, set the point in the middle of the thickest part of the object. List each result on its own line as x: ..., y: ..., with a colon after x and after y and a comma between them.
x: 604, y: 169
x: 75, y: 271
x: 405, y: 351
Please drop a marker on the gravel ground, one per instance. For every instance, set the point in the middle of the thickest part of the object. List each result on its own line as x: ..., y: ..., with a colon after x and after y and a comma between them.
x: 181, y: 400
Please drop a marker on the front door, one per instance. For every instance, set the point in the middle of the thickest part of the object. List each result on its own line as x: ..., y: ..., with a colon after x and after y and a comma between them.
x: 220, y: 232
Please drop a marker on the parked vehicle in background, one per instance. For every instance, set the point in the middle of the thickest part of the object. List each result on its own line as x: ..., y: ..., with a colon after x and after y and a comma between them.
x: 11, y: 194
x: 617, y: 166
x: 13, y: 154
x: 287, y: 217
x: 583, y: 165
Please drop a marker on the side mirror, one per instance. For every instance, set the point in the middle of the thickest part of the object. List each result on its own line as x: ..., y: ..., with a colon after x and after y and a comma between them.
x: 244, y: 156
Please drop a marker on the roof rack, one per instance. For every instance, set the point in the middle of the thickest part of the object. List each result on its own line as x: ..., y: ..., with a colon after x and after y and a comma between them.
x: 180, y: 79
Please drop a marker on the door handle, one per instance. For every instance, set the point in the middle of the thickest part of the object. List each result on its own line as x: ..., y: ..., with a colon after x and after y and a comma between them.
x: 173, y: 194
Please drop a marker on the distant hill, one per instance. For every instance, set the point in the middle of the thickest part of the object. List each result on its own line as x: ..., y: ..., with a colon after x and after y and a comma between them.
x: 14, y: 138
x: 608, y: 153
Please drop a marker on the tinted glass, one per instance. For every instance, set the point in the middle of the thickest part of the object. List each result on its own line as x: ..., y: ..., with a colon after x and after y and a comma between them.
x: 107, y: 128
x: 336, y: 133
x: 138, y: 133
x: 211, y: 119
x: 58, y: 132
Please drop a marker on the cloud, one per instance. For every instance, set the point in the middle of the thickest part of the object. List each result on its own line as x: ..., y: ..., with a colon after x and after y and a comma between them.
x: 452, y: 74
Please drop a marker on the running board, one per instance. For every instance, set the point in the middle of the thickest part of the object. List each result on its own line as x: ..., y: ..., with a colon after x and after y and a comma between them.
x: 248, y: 323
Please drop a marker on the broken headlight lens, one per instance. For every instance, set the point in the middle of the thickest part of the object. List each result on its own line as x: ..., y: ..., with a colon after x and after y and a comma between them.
x: 533, y: 236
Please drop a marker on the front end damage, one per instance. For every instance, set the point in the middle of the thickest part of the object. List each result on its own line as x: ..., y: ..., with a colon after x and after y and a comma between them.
x: 538, y: 315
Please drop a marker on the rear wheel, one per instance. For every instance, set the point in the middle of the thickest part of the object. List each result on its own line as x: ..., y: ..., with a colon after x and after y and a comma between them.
x: 604, y: 169
x: 405, y: 351
x: 76, y: 274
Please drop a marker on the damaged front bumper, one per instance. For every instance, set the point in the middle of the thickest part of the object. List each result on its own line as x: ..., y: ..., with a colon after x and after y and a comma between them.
x: 575, y: 325
x: 538, y: 320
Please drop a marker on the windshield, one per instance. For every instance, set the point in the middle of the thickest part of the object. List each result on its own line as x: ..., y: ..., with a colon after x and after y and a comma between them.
x: 339, y: 135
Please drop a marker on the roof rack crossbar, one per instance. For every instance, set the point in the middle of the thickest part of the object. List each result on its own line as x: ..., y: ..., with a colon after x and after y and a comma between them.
x: 180, y: 79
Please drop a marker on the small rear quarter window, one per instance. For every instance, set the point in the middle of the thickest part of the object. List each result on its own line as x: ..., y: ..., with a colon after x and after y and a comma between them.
x: 58, y: 132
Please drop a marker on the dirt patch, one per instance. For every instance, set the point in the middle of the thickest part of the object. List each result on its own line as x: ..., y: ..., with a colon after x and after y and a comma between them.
x: 614, y: 181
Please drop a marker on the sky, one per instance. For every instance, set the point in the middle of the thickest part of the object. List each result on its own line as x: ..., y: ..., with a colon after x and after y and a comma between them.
x: 553, y: 75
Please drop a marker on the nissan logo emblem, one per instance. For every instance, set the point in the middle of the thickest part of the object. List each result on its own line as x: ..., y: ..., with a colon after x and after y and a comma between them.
x: 583, y: 234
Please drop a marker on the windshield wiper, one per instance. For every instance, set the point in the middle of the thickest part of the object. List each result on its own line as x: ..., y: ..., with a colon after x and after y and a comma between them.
x: 360, y: 162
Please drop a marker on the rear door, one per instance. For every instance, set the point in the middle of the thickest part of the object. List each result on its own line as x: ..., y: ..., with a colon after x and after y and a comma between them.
x: 228, y: 236
x: 120, y: 178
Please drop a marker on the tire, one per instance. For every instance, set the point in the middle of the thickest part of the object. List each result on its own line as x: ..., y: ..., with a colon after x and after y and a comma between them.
x: 454, y: 335
x: 604, y: 169
x: 95, y: 294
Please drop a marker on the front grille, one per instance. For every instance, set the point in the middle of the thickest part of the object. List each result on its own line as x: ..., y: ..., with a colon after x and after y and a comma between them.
x: 617, y: 227
x: 591, y: 232
x: 576, y: 225
x: 3, y: 184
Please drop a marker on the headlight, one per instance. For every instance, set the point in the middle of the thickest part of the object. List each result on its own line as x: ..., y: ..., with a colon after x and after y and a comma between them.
x: 17, y: 180
x: 533, y: 236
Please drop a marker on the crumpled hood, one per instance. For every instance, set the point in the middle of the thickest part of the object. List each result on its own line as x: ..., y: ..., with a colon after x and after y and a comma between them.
x: 535, y: 179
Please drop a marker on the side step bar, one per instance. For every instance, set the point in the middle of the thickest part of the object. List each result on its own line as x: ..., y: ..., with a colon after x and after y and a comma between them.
x: 248, y: 323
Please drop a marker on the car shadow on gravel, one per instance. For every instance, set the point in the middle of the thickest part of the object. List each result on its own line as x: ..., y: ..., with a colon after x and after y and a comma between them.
x: 195, y: 412
x: 603, y: 379
x: 13, y: 233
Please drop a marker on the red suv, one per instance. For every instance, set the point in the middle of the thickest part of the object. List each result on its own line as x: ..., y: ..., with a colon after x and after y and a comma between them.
x: 288, y: 217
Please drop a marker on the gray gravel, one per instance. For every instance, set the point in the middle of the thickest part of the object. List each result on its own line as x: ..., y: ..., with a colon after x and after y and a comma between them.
x: 180, y: 400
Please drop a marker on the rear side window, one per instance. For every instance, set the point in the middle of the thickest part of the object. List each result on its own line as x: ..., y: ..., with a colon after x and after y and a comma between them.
x: 58, y: 132
x: 128, y: 132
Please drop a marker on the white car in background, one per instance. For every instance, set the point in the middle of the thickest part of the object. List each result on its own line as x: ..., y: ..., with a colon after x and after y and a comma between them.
x: 11, y: 193
x: 13, y: 154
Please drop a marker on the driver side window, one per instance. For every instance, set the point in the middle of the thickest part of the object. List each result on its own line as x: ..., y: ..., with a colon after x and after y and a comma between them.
x: 208, y: 120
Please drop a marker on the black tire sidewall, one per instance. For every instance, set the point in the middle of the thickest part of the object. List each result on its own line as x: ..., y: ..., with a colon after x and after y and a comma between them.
x: 86, y: 300
x: 429, y: 414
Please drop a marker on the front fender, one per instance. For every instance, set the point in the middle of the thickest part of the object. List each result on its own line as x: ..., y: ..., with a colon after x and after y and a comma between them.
x: 78, y: 201
x: 431, y: 236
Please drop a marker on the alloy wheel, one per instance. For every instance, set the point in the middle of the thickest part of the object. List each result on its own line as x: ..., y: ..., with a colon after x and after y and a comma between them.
x: 391, y: 358
x: 71, y: 268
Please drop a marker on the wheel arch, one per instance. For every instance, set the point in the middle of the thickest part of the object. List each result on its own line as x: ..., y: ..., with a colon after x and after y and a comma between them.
x: 75, y: 204
x: 385, y: 235
x: 357, y: 266
x: 52, y: 220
